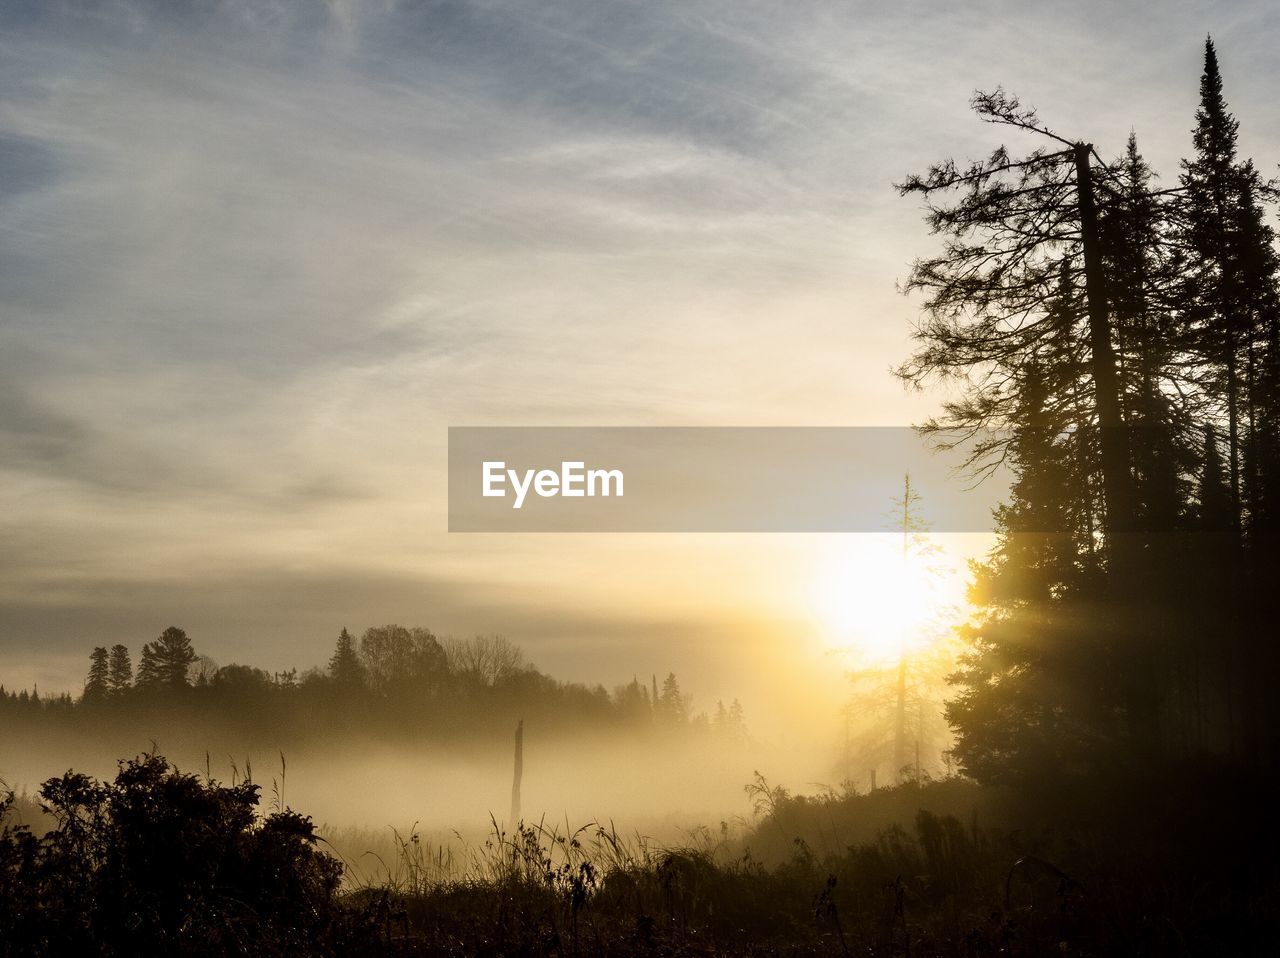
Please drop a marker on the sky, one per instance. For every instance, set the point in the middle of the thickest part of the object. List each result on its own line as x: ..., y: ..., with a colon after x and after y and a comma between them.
x: 256, y: 257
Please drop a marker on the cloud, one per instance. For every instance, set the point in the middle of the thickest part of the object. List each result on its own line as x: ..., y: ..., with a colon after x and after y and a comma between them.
x: 255, y: 257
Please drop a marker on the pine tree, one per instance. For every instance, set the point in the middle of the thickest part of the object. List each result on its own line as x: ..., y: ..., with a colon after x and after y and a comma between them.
x: 736, y: 724
x: 120, y: 671
x: 1260, y: 281
x: 344, y: 665
x: 149, y: 676
x: 671, y: 702
x: 1209, y: 184
x: 1142, y: 279
x: 1016, y: 229
x: 1019, y: 711
x: 174, y: 657
x: 97, y: 684
x: 1230, y: 282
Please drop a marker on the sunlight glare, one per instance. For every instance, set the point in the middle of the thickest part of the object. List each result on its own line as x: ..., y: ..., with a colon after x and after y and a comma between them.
x: 875, y: 603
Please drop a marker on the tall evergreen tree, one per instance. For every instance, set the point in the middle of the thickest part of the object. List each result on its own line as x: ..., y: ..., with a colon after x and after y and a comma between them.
x: 97, y: 684
x: 672, y: 705
x: 149, y: 668
x: 1028, y: 701
x: 174, y: 656
x: 1142, y: 279
x: 1017, y: 232
x: 1209, y: 184
x: 119, y: 671
x: 1230, y: 287
x: 344, y: 665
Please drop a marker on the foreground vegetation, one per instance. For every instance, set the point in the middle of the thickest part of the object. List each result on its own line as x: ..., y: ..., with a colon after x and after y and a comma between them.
x: 160, y: 862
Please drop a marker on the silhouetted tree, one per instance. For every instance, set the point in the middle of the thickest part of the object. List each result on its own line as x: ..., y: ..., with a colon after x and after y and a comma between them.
x: 202, y: 670
x: 632, y: 701
x: 1018, y: 232
x: 173, y: 657
x: 120, y: 670
x: 97, y: 684
x: 344, y: 664
x: 148, y: 668
x: 1114, y: 331
x: 397, y: 658
x: 672, y: 705
x: 484, y: 659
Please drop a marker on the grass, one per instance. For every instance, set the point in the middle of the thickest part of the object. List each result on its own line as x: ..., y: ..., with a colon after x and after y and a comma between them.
x: 941, y: 868
x: 1173, y: 866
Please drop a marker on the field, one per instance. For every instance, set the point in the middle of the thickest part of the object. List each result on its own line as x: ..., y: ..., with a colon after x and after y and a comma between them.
x: 175, y: 864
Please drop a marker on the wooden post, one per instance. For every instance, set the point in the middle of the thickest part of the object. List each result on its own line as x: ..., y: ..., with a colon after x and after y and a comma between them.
x: 519, y: 773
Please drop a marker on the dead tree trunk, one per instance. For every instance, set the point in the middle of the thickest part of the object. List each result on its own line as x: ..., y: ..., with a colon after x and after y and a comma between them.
x: 519, y: 774
x: 1112, y: 437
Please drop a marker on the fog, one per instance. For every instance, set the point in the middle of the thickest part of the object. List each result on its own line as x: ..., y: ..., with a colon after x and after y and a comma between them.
x: 357, y: 789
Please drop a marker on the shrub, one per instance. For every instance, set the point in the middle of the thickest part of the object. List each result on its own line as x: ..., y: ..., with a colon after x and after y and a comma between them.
x: 160, y: 862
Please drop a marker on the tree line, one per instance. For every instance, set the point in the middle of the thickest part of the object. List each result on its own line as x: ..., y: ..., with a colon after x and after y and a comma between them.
x: 390, y: 674
x: 1116, y: 344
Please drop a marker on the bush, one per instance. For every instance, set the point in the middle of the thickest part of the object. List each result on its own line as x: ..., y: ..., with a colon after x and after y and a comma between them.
x: 162, y: 863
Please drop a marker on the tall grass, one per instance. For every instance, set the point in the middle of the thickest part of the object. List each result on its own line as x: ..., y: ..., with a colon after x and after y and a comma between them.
x: 1098, y: 871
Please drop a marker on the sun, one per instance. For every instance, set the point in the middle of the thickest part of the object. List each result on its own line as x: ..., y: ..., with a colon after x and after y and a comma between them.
x: 877, y: 601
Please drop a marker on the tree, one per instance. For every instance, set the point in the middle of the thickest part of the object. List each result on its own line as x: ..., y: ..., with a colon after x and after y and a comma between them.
x: 486, y: 660
x: 633, y: 703
x: 897, y: 702
x: 173, y: 656
x: 97, y: 684
x: 672, y: 705
x: 1142, y: 276
x: 1113, y: 331
x: 344, y: 664
x: 149, y: 668
x: 396, y: 658
x: 1017, y: 232
x: 120, y: 670
x: 1018, y: 315
x: 202, y: 671
x: 1019, y: 711
x: 1214, y: 291
x: 1231, y: 292
x: 729, y: 723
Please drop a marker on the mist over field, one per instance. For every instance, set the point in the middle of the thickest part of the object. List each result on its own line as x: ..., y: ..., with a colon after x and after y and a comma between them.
x: 657, y: 787
x: 402, y: 729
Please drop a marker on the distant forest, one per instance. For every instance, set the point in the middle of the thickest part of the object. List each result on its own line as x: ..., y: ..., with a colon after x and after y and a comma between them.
x: 392, y: 682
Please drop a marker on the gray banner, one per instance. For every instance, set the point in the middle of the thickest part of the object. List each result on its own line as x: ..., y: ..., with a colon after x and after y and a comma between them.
x: 705, y: 479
